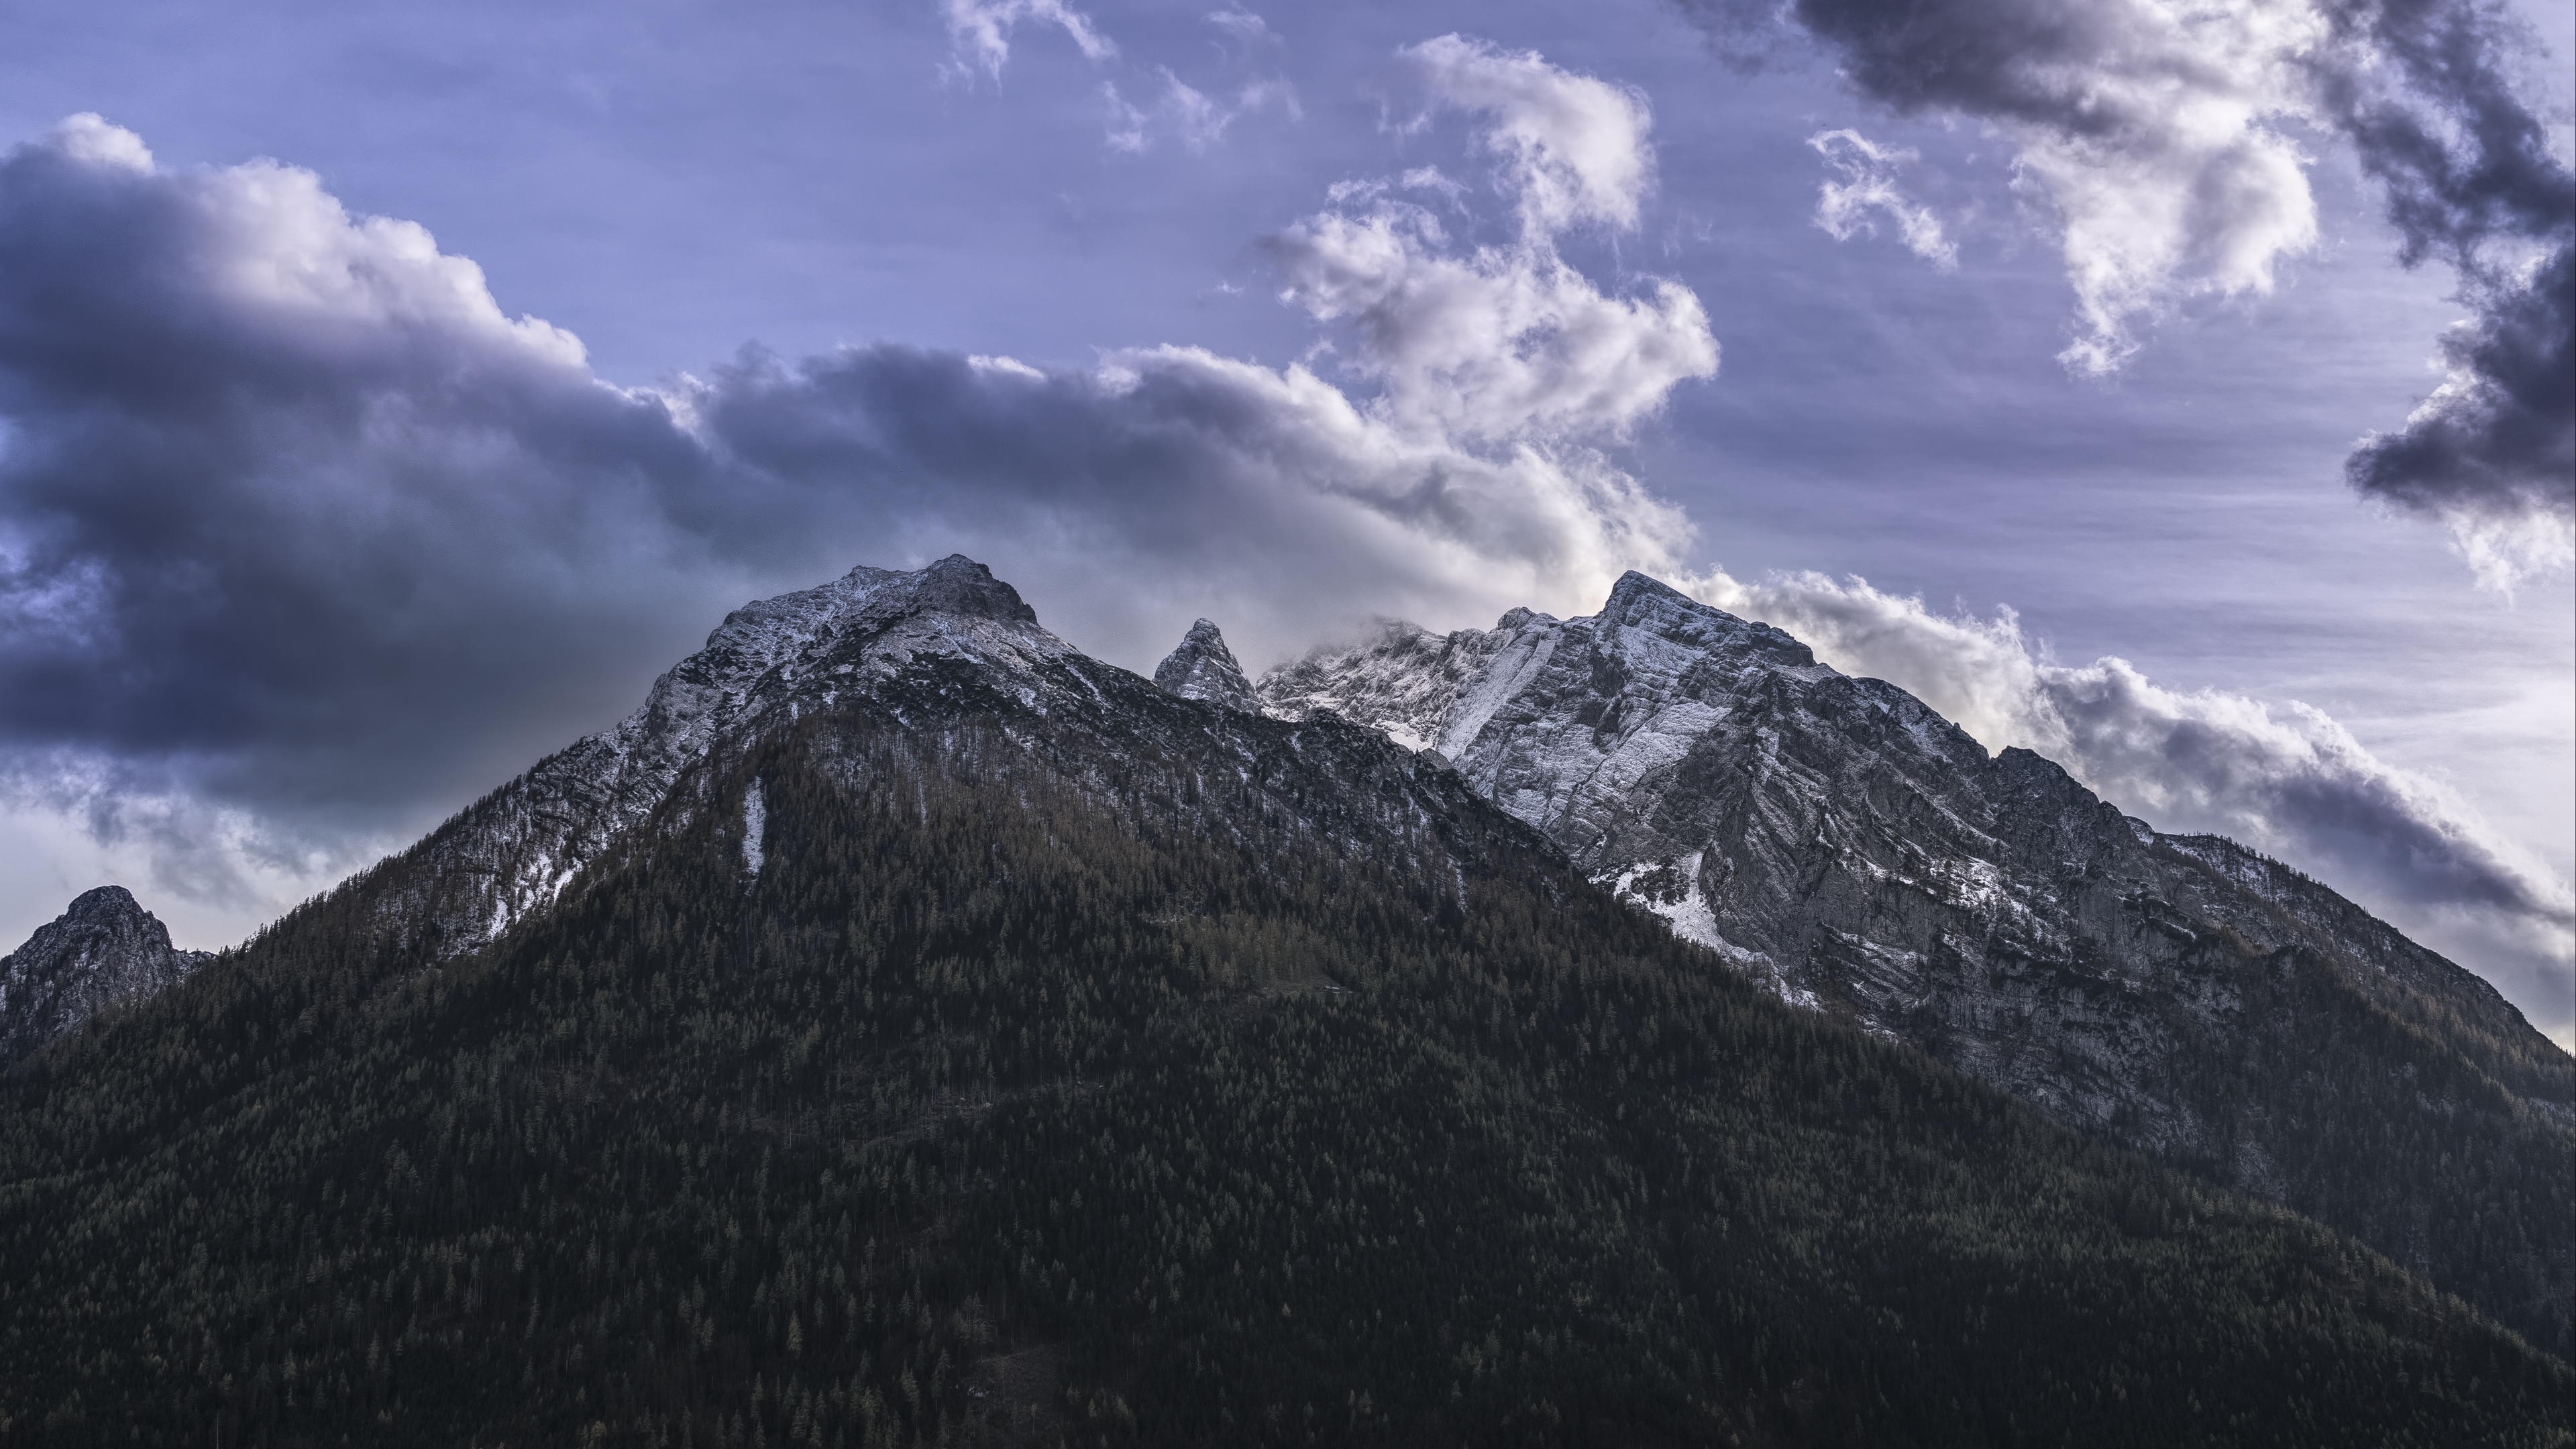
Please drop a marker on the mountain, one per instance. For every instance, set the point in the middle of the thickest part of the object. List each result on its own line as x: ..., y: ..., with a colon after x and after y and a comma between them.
x: 1203, y: 668
x: 104, y: 950
x: 1838, y: 841
x: 509, y: 854
x: 908, y: 1030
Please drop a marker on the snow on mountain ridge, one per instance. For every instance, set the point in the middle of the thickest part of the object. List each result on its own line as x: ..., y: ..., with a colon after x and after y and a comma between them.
x: 513, y: 851
x: 1632, y: 687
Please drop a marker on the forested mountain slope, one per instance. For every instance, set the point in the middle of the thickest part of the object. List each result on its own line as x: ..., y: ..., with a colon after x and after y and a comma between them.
x: 1836, y: 839
x: 1001, y: 1050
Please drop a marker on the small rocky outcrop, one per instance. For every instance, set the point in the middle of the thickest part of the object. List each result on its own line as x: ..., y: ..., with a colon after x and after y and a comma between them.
x: 105, y: 950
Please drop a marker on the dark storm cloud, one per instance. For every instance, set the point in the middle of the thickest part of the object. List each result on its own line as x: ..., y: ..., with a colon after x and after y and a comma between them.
x: 2470, y: 175
x: 2496, y: 444
x: 273, y: 478
x: 2422, y: 89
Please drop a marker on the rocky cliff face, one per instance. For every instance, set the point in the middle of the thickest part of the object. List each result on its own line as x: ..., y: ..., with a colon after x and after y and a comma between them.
x: 104, y: 950
x: 1838, y: 840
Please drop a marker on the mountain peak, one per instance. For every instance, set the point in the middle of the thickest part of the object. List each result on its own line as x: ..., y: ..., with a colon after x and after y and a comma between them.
x: 959, y: 585
x: 1203, y: 668
x: 1633, y: 585
x: 103, y: 949
x: 107, y: 903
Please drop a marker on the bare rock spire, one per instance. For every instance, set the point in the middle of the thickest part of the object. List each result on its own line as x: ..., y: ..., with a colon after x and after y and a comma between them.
x: 1203, y: 668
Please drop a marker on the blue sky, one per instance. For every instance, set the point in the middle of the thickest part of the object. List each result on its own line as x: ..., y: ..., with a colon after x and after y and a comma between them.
x: 869, y: 197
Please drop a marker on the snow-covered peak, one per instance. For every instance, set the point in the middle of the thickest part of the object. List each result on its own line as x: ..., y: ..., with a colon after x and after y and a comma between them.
x: 1400, y: 678
x: 766, y: 665
x: 810, y: 644
x: 1203, y: 668
x: 1650, y: 645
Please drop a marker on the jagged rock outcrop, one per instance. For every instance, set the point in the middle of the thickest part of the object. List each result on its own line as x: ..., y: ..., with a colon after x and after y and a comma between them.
x: 1839, y: 840
x: 102, y: 951
x: 1203, y: 668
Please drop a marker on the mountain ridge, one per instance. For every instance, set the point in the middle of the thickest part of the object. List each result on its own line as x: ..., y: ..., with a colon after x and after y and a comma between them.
x: 1084, y: 1063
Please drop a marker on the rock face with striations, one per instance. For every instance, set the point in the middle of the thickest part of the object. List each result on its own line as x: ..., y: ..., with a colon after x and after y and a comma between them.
x: 1838, y: 840
x: 1203, y: 668
x: 104, y: 950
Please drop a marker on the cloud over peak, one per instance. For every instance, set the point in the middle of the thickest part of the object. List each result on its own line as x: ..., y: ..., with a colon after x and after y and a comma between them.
x: 300, y: 530
x: 2291, y: 782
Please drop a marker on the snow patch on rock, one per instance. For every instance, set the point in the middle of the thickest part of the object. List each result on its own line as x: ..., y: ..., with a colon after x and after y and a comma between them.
x: 755, y: 824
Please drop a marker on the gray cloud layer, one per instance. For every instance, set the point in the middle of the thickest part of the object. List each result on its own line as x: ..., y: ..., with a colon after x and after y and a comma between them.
x: 2160, y: 136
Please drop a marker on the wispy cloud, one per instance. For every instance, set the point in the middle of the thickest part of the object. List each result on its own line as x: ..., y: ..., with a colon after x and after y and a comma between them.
x: 1864, y: 188
x: 979, y: 32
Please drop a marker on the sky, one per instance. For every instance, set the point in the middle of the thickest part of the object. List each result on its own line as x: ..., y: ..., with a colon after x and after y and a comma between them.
x: 387, y: 393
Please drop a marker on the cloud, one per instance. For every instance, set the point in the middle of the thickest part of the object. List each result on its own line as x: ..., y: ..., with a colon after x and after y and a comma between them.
x: 2162, y: 135
x: 2492, y: 452
x: 302, y: 535
x: 1866, y: 184
x: 1572, y: 148
x: 1504, y: 342
x: 2153, y: 130
x: 979, y: 32
x: 1243, y: 27
x: 2424, y: 89
x: 1193, y: 117
x: 2288, y: 781
x: 276, y: 476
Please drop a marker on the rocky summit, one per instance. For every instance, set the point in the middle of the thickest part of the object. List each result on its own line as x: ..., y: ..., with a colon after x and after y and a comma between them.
x: 105, y: 950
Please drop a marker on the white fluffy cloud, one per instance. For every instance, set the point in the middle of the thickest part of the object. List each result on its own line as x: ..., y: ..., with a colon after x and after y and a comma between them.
x: 2288, y: 781
x: 2155, y: 132
x: 1572, y: 147
x: 1503, y: 343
